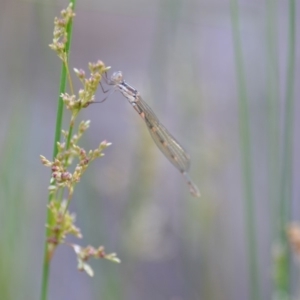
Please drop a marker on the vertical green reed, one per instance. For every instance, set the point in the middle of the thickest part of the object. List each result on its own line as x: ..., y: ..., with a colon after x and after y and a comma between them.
x: 12, y: 190
x: 273, y: 93
x: 286, y: 187
x: 58, y: 128
x: 245, y: 144
x: 287, y: 154
x: 273, y: 132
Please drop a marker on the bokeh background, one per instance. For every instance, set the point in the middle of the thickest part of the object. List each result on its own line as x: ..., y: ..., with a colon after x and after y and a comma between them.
x: 180, y: 55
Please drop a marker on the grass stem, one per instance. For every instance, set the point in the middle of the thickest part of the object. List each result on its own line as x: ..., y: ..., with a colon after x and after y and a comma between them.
x: 245, y: 142
x: 287, y: 153
x: 58, y: 128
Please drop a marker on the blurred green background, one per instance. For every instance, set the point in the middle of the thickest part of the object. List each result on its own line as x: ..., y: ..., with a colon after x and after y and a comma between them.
x: 182, y: 56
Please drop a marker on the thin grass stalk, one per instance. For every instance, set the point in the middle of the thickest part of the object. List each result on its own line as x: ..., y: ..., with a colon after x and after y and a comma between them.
x: 287, y: 153
x: 273, y: 125
x: 58, y: 128
x: 273, y: 130
x: 245, y: 144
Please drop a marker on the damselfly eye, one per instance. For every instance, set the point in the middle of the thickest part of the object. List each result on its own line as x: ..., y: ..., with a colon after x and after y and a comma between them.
x: 117, y: 77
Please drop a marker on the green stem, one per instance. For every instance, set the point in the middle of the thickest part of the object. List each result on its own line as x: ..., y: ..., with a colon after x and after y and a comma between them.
x: 289, y: 120
x: 287, y: 159
x: 273, y: 93
x: 58, y: 128
x: 246, y: 156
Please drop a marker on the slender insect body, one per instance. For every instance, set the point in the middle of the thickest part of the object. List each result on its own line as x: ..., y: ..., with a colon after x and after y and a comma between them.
x: 168, y: 145
x: 128, y: 91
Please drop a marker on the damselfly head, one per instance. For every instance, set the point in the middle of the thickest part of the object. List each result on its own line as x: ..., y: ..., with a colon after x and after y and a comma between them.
x: 117, y: 77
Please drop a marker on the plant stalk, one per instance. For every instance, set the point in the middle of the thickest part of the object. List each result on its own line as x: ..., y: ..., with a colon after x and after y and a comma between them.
x: 245, y: 143
x: 287, y: 155
x: 58, y: 128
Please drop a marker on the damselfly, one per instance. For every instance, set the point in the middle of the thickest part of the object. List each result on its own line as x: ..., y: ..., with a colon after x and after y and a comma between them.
x: 168, y: 145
